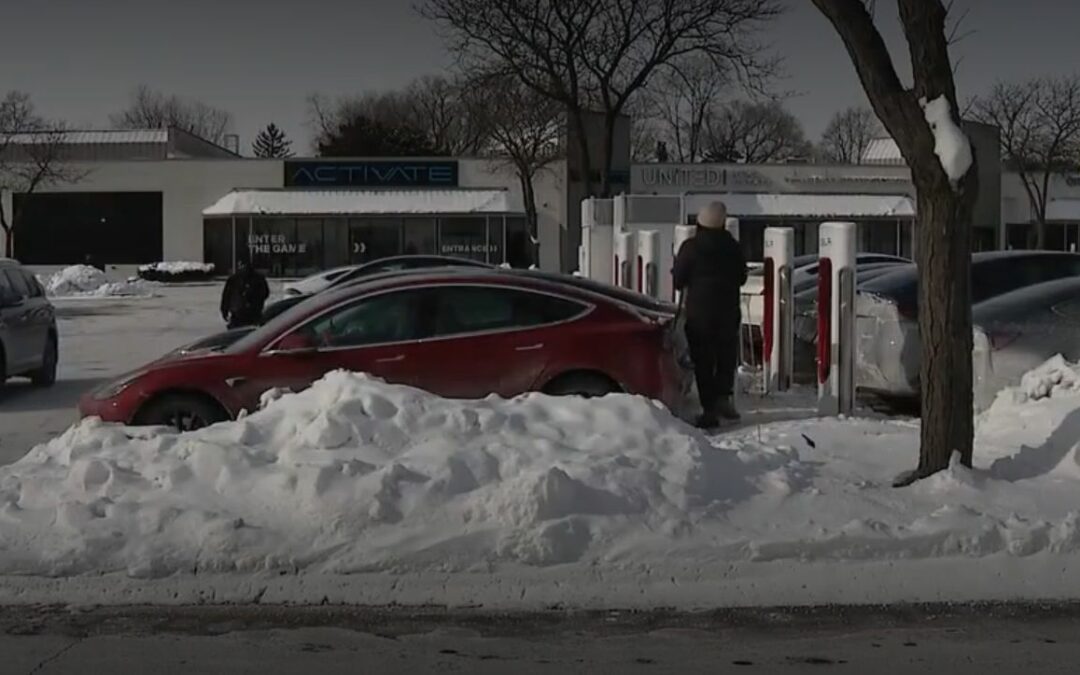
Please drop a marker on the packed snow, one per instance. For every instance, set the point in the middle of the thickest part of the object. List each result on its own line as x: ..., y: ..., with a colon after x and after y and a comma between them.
x: 950, y: 144
x: 178, y: 267
x: 85, y: 281
x: 356, y: 490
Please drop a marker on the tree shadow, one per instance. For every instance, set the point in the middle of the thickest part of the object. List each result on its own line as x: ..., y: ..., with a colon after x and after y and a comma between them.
x: 1032, y: 462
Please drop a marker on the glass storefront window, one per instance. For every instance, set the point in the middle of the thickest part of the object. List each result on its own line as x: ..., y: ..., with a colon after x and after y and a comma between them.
x: 464, y: 237
x: 218, y: 243
x: 373, y: 238
x: 335, y: 242
x: 518, y: 247
x: 419, y: 236
x: 272, y: 245
x: 240, y: 242
x: 309, y: 247
x: 496, y: 240
x: 878, y: 237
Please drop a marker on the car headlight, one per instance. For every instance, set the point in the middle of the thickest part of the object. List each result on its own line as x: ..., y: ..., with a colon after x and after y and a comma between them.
x: 116, y: 387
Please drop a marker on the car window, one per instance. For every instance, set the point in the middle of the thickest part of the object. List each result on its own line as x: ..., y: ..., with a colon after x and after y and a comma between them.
x: 18, y: 283
x: 7, y: 293
x: 475, y: 309
x: 390, y: 317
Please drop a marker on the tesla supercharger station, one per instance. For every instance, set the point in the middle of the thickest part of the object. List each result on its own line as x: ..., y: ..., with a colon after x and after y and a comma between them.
x: 836, y: 318
x: 682, y: 234
x: 648, y: 263
x: 623, y: 264
x: 597, y: 239
x: 778, y: 330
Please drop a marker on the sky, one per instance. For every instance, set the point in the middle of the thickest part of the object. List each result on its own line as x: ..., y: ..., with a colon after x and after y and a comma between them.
x: 260, y: 59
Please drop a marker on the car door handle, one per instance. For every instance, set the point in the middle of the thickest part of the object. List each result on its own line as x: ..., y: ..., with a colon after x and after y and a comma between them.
x: 531, y: 348
x: 391, y: 359
x: 235, y: 381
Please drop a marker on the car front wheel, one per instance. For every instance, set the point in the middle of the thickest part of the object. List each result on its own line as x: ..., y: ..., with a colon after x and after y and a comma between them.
x: 45, y: 376
x: 182, y: 412
x: 586, y: 385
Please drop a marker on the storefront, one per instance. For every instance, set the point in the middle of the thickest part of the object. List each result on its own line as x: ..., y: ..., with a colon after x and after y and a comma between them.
x: 298, y: 232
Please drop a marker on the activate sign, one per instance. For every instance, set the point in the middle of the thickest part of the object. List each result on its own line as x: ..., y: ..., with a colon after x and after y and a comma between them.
x: 368, y: 174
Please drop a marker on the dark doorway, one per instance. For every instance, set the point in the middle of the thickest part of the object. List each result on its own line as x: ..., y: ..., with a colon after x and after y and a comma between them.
x: 60, y: 228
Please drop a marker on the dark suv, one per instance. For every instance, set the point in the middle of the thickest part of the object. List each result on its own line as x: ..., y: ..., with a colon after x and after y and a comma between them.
x: 28, y: 337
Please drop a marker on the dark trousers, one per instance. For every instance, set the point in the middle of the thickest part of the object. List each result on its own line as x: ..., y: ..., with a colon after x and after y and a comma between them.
x: 714, y: 352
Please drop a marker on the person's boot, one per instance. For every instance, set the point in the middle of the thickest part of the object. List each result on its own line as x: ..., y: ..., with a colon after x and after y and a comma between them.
x: 726, y: 409
x: 707, y: 420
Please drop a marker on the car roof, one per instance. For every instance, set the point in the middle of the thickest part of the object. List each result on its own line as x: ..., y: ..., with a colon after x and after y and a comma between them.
x: 1034, y: 297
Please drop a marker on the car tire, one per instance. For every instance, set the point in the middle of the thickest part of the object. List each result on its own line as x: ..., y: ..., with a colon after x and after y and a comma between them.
x: 45, y: 376
x: 587, y: 385
x: 3, y: 366
x: 182, y: 412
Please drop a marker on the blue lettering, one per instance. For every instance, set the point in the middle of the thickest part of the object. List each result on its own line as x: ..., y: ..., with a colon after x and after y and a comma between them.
x: 441, y: 174
x: 325, y: 174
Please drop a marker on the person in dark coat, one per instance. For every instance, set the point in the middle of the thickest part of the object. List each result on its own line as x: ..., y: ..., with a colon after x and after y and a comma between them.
x: 710, y: 271
x: 244, y: 296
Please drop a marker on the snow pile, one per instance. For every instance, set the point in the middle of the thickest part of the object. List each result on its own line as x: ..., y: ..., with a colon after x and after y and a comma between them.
x: 950, y: 144
x: 1055, y: 377
x: 386, y: 494
x: 86, y: 281
x: 180, y: 267
x: 356, y: 475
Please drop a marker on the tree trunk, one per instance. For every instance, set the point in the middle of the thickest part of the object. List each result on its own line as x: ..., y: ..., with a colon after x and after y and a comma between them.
x: 607, y: 150
x: 943, y: 253
x: 584, y: 163
x: 9, y: 242
x: 531, y: 217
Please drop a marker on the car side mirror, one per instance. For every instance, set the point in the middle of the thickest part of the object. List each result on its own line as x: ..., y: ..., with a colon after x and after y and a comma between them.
x: 296, y: 343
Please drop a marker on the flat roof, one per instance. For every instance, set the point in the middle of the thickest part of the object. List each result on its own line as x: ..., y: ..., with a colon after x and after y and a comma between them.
x: 301, y: 202
x: 807, y: 205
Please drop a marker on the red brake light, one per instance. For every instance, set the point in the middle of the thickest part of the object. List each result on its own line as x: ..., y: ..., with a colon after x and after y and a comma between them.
x: 767, y: 323
x: 1001, y: 338
x: 824, y: 319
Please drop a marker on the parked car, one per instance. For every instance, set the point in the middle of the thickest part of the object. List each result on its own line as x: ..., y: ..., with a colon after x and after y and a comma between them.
x: 1021, y: 330
x: 29, y: 341
x: 360, y: 272
x: 887, y: 309
x: 316, y: 282
x: 805, y: 299
x: 455, y: 334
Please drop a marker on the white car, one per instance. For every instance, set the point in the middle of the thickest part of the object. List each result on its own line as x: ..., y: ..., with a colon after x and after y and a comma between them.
x: 1019, y: 331
x: 317, y: 282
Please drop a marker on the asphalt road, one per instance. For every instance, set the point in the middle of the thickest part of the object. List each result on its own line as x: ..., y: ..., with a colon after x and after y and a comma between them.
x: 905, y: 639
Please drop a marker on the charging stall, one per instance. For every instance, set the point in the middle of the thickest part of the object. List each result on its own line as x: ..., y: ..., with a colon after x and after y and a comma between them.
x: 648, y: 263
x: 623, y: 261
x: 836, y: 318
x: 778, y: 328
x: 651, y: 221
x: 597, y: 239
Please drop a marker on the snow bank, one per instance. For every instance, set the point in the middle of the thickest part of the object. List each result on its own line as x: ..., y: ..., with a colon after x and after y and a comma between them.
x: 180, y: 267
x: 86, y: 281
x: 359, y: 491
x: 950, y: 144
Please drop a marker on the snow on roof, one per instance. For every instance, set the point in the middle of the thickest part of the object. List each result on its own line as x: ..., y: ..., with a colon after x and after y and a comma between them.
x: 301, y: 202
x: 882, y: 151
x: 146, y: 136
x: 808, y: 205
x: 1063, y: 209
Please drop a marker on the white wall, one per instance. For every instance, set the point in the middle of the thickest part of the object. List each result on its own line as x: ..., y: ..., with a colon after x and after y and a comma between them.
x: 187, y: 187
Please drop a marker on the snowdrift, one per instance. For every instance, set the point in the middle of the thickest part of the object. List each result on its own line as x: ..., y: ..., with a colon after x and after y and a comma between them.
x: 86, y: 281
x: 399, y: 496
x: 177, y: 272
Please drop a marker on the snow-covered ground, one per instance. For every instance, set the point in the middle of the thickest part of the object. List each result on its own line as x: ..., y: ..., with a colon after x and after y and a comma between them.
x: 83, y: 281
x: 357, y: 491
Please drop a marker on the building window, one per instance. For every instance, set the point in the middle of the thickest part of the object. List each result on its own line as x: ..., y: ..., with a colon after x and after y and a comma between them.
x: 218, y: 243
x: 419, y: 236
x: 464, y: 237
x: 309, y: 255
x: 876, y: 236
x: 496, y: 240
x: 373, y: 238
x: 272, y: 245
x: 335, y: 242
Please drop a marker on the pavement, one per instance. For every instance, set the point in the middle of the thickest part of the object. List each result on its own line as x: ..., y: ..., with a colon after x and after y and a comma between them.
x: 269, y: 640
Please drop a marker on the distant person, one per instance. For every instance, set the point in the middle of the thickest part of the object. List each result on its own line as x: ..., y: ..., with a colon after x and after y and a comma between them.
x: 710, y: 271
x: 244, y: 296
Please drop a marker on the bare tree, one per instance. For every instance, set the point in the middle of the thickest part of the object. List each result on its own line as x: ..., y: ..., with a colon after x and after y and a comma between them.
x: 1040, y: 135
x: 923, y: 119
x: 438, y: 106
x: 754, y: 133
x: 149, y: 109
x: 523, y: 130
x: 597, y: 54
x: 849, y: 134
x: 683, y: 99
x: 31, y: 157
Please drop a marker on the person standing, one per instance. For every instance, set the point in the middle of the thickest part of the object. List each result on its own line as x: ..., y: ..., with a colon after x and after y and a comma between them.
x: 244, y: 296
x: 710, y: 271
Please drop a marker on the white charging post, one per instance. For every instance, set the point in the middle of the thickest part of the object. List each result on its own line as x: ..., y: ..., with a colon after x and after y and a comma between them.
x: 623, y: 269
x: 836, y: 318
x: 778, y: 328
x: 648, y: 263
x: 732, y: 226
x: 683, y: 233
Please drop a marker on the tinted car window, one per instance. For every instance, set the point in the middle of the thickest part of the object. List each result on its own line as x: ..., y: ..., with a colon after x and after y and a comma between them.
x: 7, y: 293
x: 390, y: 317
x: 36, y: 291
x: 475, y: 309
x: 18, y: 283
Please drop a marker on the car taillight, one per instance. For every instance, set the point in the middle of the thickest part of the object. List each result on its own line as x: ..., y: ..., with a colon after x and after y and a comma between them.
x: 767, y: 323
x: 1002, y: 337
x: 824, y: 319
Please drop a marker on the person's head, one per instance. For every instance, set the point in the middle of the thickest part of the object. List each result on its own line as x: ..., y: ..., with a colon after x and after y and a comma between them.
x: 713, y: 216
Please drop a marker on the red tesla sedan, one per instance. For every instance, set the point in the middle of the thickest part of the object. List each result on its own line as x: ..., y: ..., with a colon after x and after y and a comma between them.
x: 453, y: 333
